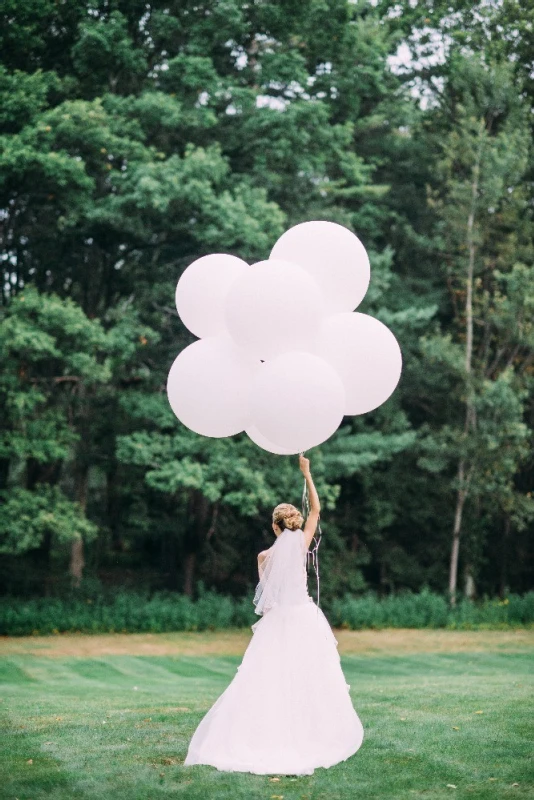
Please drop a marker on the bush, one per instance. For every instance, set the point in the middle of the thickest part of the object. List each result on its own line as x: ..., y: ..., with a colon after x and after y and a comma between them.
x: 123, y: 612
x: 407, y: 610
x: 429, y: 610
x: 161, y: 612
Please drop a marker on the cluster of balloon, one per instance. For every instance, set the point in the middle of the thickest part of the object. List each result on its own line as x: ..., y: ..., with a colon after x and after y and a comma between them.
x: 281, y: 352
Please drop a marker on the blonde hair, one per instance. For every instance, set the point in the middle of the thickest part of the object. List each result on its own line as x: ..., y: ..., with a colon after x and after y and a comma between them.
x: 287, y: 516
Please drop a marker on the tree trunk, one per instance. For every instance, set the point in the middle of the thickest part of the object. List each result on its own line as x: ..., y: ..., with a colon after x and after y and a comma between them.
x: 199, y: 509
x: 4, y: 472
x: 470, y: 586
x: 383, y: 578
x: 457, y: 528
x: 189, y: 573
x: 169, y: 562
x: 503, y: 581
x: 48, y: 473
x: 77, y: 560
x: 470, y: 419
x: 113, y: 507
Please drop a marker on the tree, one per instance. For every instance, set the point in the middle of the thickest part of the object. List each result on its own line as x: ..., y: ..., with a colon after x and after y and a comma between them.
x: 134, y: 139
x: 55, y: 361
x: 479, y: 205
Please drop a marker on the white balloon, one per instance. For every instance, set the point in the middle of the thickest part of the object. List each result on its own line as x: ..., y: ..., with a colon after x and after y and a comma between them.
x: 273, y: 307
x: 334, y: 256
x: 254, y: 434
x: 366, y: 355
x: 208, y: 386
x: 297, y: 401
x: 202, y: 290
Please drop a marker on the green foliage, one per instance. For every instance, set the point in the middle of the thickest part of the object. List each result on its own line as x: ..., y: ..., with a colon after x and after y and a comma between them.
x: 28, y: 518
x: 22, y: 96
x: 47, y: 346
x: 134, y: 139
x: 105, y: 55
x: 430, y: 610
x: 131, y: 612
x: 125, y: 612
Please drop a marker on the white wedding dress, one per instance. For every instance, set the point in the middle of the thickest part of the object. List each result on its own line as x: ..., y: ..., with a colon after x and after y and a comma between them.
x: 288, y: 709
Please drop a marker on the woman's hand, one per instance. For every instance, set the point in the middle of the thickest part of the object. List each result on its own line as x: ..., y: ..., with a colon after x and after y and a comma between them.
x: 304, y: 464
x: 315, y: 506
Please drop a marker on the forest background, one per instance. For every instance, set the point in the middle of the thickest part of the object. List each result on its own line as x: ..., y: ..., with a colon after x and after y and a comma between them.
x: 138, y: 136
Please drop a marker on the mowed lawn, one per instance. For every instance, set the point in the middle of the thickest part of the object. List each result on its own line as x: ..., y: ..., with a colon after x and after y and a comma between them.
x: 446, y: 715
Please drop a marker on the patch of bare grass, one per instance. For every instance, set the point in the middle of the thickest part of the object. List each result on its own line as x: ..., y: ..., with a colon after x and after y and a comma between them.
x: 390, y: 641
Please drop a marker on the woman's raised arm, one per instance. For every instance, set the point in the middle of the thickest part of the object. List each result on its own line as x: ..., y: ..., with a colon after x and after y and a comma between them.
x: 315, y: 506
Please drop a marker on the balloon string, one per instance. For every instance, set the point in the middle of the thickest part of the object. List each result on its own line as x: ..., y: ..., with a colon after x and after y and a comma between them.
x: 314, y: 552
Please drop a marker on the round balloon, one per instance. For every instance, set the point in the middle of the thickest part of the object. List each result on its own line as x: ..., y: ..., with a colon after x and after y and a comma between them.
x: 201, y: 292
x: 273, y: 307
x: 334, y: 256
x: 254, y: 434
x: 208, y: 386
x: 296, y: 401
x: 366, y: 355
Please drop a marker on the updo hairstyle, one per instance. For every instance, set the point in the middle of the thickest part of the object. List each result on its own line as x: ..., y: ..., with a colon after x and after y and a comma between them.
x: 287, y: 516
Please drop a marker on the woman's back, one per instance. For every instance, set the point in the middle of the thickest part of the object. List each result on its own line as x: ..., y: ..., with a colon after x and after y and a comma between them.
x: 283, y: 575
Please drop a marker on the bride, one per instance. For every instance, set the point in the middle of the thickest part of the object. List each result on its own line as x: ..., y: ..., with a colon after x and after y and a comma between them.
x: 288, y: 708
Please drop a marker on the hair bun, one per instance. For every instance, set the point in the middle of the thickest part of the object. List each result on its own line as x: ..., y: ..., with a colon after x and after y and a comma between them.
x: 293, y: 521
x: 287, y: 516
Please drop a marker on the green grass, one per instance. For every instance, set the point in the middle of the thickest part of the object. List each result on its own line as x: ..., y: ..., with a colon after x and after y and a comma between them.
x: 118, y: 726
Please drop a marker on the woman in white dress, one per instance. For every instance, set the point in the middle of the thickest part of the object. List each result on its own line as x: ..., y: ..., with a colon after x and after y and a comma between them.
x: 288, y: 709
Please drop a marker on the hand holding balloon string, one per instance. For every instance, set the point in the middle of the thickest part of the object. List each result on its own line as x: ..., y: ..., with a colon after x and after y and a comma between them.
x: 311, y: 510
x: 304, y: 464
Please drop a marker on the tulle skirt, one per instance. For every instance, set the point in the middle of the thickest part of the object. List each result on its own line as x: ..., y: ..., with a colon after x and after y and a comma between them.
x: 288, y: 709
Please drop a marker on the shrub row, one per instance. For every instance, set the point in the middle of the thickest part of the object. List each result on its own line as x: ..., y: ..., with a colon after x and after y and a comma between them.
x: 430, y: 610
x: 130, y: 613
x: 124, y: 612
